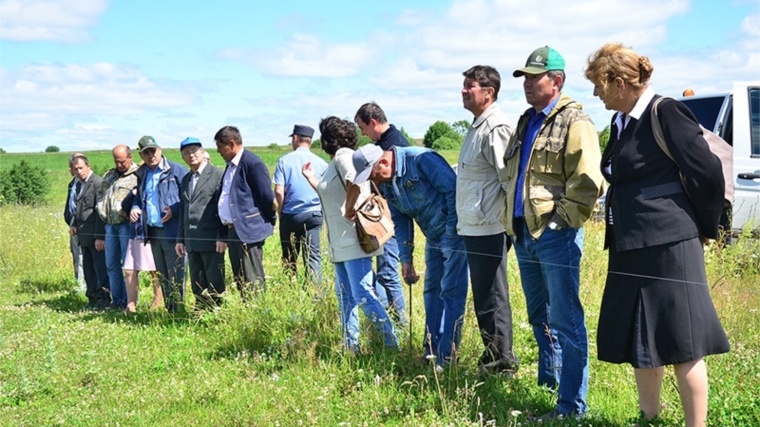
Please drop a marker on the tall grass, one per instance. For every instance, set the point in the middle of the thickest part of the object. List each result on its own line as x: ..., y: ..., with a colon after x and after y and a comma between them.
x: 277, y: 360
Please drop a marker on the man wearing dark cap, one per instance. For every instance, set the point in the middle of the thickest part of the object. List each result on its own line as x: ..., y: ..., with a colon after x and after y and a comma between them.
x: 157, y: 205
x: 199, y: 225
x: 246, y: 209
x: 299, y: 208
x: 553, y: 164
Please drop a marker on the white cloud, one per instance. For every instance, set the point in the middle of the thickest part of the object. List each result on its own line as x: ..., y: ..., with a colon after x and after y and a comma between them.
x: 69, y: 102
x: 62, y: 20
x: 304, y: 55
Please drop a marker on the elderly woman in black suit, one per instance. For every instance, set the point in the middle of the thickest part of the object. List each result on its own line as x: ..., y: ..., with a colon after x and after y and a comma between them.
x: 656, y: 309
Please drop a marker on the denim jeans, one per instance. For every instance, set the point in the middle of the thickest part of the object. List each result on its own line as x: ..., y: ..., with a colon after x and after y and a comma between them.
x: 354, y: 287
x: 117, y: 238
x: 445, y: 294
x: 300, y: 233
x: 550, y: 273
x: 389, y: 289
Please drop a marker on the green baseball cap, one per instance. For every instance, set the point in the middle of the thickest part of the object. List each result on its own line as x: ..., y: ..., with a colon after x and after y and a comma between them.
x: 146, y: 142
x: 540, y: 61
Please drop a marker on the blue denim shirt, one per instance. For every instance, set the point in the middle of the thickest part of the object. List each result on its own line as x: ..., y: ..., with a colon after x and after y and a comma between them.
x: 423, y: 188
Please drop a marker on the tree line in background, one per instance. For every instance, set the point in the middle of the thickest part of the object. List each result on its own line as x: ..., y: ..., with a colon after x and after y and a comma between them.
x: 27, y: 184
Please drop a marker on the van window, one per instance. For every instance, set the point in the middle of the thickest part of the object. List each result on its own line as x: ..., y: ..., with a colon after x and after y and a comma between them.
x: 706, y: 110
x: 754, y: 113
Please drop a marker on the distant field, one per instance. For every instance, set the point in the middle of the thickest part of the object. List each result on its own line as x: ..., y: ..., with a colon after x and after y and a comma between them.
x: 57, y: 163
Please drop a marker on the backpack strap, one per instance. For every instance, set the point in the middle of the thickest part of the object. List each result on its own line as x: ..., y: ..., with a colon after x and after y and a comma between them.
x: 657, y: 128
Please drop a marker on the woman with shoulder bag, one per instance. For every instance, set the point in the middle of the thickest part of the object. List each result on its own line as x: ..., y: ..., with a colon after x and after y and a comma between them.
x: 656, y: 308
x: 354, y: 277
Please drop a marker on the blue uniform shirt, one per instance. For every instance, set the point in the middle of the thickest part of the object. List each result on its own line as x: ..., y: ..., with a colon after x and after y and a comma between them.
x: 299, y: 195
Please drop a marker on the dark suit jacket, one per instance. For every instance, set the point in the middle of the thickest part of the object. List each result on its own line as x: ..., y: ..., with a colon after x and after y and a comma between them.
x: 67, y: 216
x: 251, y: 198
x: 648, y: 202
x: 198, y: 219
x: 87, y: 221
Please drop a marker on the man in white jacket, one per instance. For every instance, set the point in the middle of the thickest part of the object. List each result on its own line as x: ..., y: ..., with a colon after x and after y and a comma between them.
x: 481, y: 189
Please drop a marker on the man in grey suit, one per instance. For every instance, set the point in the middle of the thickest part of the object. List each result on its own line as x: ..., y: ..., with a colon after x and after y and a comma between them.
x: 85, y: 223
x: 198, y: 234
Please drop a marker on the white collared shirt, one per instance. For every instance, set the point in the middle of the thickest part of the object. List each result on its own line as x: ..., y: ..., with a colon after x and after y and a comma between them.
x: 225, y: 214
x: 637, y: 111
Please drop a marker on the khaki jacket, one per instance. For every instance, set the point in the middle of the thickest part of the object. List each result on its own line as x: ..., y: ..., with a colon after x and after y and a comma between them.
x: 563, y: 179
x: 481, y: 177
x: 112, y: 192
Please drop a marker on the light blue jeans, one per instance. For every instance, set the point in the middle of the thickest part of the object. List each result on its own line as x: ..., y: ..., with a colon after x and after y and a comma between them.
x: 354, y: 287
x: 117, y: 238
x: 390, y: 290
x: 550, y: 273
x: 445, y: 294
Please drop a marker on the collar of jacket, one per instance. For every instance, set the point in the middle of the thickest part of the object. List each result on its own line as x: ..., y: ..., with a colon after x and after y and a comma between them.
x: 564, y: 102
x: 488, y: 112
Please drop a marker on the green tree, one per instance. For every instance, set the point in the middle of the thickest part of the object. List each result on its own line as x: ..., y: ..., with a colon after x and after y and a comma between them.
x: 52, y: 149
x: 437, y: 130
x: 2, y: 151
x: 317, y: 143
x: 406, y: 135
x: 446, y: 143
x: 461, y: 126
x: 24, y: 183
x: 604, y: 137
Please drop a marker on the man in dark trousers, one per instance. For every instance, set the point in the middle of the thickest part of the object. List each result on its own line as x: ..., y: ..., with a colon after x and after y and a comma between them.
x: 85, y: 223
x: 157, y: 206
x: 198, y: 232
x: 372, y: 122
x: 246, y: 209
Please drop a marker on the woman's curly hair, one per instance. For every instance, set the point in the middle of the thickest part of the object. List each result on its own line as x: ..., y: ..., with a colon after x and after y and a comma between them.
x: 337, y: 133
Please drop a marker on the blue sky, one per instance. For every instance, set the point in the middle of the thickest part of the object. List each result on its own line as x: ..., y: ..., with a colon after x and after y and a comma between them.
x: 90, y: 74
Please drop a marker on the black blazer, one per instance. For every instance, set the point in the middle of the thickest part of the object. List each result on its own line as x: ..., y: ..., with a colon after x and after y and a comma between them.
x: 251, y: 200
x: 648, y: 204
x: 199, y: 223
x: 87, y: 221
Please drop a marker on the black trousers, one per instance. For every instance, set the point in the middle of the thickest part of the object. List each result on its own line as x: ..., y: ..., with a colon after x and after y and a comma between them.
x: 95, y: 274
x: 206, y: 276
x: 487, y: 256
x: 171, y: 268
x: 247, y: 261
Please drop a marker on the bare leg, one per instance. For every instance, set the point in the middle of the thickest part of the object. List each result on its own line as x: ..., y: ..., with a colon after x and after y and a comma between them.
x: 649, y: 385
x: 133, y: 284
x: 692, y: 383
x: 158, y: 294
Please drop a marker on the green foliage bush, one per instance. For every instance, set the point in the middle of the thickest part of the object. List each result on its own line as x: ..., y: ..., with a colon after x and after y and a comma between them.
x: 24, y: 184
x: 604, y: 137
x: 437, y: 130
x: 52, y: 149
x: 273, y: 146
x: 364, y: 140
x: 446, y: 143
x: 408, y: 138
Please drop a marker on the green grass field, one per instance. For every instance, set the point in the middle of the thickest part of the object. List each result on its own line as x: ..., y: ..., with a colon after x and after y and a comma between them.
x: 277, y: 361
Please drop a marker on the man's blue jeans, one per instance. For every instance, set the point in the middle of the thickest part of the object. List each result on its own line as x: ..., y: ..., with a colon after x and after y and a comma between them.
x: 390, y: 290
x: 354, y: 287
x: 550, y: 273
x: 445, y: 295
x: 117, y: 238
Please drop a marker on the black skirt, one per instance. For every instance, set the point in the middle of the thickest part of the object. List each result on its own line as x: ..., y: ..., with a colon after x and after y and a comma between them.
x: 656, y: 309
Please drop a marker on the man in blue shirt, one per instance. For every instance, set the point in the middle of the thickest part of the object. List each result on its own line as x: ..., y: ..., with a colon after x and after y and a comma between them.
x: 372, y: 122
x: 298, y: 203
x: 420, y: 185
x: 157, y: 205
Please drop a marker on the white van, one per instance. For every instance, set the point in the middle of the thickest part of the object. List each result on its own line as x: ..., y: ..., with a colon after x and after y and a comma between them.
x: 735, y: 116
